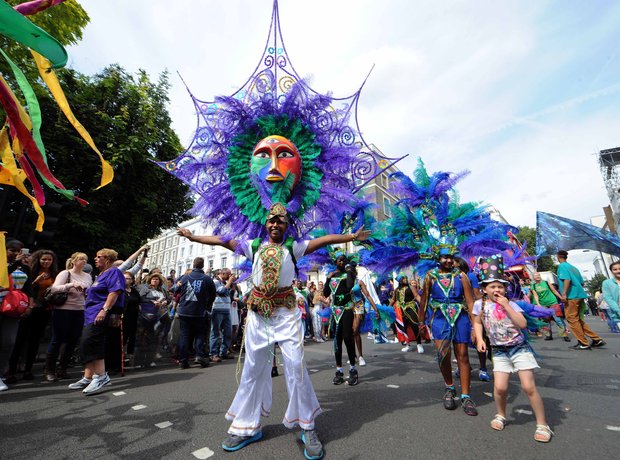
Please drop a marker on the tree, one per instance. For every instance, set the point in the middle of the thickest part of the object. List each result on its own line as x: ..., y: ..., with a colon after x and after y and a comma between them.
x: 594, y: 284
x: 127, y: 117
x: 544, y: 263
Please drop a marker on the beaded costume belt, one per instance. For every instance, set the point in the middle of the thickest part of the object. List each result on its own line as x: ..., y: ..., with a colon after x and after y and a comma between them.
x: 265, y: 303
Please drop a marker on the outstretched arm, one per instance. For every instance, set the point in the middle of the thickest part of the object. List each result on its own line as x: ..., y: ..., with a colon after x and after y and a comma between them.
x: 206, y: 239
x: 129, y: 261
x: 318, y: 243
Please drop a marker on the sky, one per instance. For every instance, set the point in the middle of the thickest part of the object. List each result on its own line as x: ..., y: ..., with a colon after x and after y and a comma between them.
x: 523, y: 94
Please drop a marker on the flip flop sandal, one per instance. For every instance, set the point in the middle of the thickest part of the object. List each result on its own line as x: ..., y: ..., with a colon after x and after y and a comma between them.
x: 543, y: 433
x: 498, y: 423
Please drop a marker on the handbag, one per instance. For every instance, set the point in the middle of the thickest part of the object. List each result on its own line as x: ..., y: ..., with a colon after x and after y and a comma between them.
x: 57, y: 299
x: 15, y: 303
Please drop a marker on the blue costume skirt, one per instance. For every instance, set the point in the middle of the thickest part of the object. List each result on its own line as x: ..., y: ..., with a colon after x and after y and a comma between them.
x: 459, y: 333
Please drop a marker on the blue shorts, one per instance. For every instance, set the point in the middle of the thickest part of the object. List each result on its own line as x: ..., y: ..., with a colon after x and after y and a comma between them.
x: 441, y: 329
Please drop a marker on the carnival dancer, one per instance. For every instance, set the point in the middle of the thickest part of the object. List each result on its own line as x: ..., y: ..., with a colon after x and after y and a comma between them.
x: 405, y: 301
x: 339, y: 285
x: 447, y: 293
x: 504, y: 321
x: 273, y: 317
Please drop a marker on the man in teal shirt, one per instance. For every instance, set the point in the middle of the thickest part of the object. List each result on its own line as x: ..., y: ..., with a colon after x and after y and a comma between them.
x: 572, y: 294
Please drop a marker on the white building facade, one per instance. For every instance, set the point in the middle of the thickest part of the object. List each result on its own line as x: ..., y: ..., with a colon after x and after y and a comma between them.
x: 172, y: 252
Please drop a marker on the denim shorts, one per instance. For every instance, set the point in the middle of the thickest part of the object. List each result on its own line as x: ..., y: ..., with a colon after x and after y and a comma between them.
x: 514, y: 358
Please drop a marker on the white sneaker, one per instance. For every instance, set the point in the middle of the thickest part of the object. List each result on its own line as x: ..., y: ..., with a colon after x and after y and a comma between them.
x: 370, y: 336
x: 3, y: 386
x: 406, y: 349
x: 394, y: 341
x: 97, y: 384
x: 319, y: 340
x: 80, y: 384
x: 361, y: 361
x: 420, y: 348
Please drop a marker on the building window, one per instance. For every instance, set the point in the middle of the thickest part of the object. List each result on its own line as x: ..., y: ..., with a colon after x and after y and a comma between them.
x: 210, y: 263
x: 386, y: 207
x: 168, y: 242
x: 224, y: 261
x: 182, y: 254
x: 191, y: 249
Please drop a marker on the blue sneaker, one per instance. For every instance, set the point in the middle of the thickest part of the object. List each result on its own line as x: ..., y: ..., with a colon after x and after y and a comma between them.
x: 235, y: 442
x: 314, y: 448
x: 484, y: 376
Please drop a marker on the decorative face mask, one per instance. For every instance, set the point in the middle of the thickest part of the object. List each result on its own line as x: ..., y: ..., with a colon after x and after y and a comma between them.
x: 276, y: 159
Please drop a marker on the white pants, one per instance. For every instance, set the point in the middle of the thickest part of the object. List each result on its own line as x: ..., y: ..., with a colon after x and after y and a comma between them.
x: 316, y: 321
x: 254, y: 394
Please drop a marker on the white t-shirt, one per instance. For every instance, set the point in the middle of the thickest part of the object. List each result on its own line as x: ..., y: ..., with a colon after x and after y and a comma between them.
x: 500, y: 328
x: 287, y: 273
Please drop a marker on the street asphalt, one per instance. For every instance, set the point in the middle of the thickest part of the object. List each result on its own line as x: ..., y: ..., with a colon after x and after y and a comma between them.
x: 396, y: 411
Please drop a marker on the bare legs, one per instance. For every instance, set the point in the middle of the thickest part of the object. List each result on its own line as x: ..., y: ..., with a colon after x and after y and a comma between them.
x: 357, y: 323
x: 445, y: 363
x: 528, y: 385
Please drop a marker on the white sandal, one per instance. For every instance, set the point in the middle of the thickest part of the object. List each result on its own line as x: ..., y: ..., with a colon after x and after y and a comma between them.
x: 498, y: 423
x: 543, y: 433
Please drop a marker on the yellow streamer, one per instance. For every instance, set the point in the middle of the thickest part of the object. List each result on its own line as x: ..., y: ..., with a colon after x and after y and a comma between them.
x: 10, y: 174
x: 4, y: 267
x: 50, y: 79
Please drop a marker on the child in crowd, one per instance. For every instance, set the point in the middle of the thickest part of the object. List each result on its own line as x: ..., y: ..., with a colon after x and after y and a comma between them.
x: 504, y: 321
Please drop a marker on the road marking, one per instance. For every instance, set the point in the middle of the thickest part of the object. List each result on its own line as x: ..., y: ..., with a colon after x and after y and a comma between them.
x: 119, y: 393
x: 203, y: 453
x: 163, y: 425
x: 393, y: 386
x: 613, y: 428
x: 139, y: 406
x: 612, y: 387
x: 314, y: 370
x: 523, y: 411
x: 490, y: 395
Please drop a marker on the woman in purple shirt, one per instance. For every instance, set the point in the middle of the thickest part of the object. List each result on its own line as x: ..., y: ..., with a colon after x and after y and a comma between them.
x: 105, y: 296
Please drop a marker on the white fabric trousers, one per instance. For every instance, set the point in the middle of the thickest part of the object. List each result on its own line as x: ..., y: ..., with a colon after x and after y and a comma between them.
x: 254, y: 394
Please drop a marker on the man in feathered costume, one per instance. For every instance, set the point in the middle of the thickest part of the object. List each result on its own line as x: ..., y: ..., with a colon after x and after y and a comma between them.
x: 273, y: 318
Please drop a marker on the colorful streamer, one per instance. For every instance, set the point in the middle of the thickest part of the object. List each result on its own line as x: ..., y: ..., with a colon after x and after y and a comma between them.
x: 4, y: 271
x: 20, y: 123
x: 35, y: 117
x: 36, y: 6
x: 17, y: 27
x: 10, y: 174
x: 49, y: 77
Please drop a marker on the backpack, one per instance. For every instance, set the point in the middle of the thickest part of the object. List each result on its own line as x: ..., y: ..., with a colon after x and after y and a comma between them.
x: 15, y: 303
x: 288, y: 244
